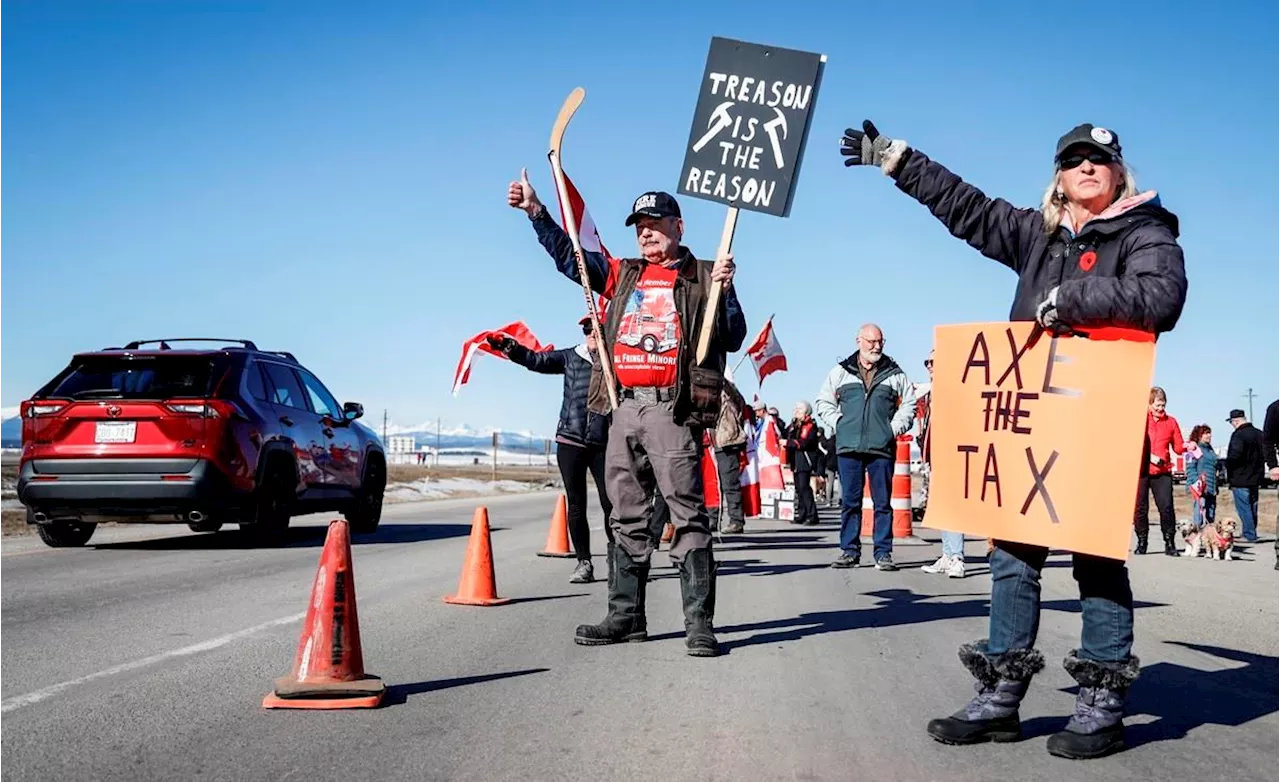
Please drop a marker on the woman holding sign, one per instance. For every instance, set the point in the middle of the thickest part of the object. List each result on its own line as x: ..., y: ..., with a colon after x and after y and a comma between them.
x: 1096, y: 253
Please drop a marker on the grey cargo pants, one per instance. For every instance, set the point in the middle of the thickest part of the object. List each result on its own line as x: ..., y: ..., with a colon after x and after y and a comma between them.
x: 645, y: 431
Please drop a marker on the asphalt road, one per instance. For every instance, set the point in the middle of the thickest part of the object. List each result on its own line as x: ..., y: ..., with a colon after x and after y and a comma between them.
x: 146, y: 656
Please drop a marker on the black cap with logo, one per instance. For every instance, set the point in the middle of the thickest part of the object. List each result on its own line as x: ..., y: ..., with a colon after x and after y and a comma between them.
x: 654, y: 204
x: 1098, y: 138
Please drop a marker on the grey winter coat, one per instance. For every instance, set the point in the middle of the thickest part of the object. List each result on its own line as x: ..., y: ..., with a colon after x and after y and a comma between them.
x: 867, y: 421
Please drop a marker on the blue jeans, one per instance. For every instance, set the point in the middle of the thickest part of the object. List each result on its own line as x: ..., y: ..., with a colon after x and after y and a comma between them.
x: 1246, y: 498
x: 953, y: 544
x: 1205, y: 510
x: 879, y: 471
x: 1106, y: 602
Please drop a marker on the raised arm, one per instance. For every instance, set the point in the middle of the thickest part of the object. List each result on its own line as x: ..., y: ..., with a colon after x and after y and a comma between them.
x: 992, y: 226
x: 521, y: 195
x: 548, y: 362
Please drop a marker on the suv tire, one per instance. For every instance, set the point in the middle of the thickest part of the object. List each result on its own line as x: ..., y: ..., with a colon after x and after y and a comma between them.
x: 63, y: 534
x: 366, y: 514
x: 272, y: 503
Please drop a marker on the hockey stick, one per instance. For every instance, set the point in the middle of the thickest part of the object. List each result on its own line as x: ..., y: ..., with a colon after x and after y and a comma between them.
x: 567, y: 111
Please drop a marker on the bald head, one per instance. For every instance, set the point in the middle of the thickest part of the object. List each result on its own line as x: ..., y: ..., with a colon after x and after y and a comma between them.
x: 870, y: 344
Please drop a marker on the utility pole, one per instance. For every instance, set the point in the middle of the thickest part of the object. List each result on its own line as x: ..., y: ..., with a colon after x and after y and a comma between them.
x: 1250, y: 396
x: 437, y: 442
x: 384, y: 428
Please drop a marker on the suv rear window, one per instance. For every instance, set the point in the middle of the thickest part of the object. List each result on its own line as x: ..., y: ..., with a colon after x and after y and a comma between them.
x: 134, y: 377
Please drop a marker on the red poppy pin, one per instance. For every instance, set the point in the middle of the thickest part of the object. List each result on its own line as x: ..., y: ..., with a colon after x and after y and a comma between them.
x: 1088, y: 260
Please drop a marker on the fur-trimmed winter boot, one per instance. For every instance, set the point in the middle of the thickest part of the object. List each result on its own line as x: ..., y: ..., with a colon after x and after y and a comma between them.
x: 698, y: 588
x: 1002, y: 682
x: 1097, y: 727
x: 625, y: 621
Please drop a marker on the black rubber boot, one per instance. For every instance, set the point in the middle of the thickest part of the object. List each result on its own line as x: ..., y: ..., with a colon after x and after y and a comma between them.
x: 1097, y: 727
x: 625, y: 621
x: 1002, y: 683
x: 1170, y: 547
x: 1141, y: 548
x: 698, y: 588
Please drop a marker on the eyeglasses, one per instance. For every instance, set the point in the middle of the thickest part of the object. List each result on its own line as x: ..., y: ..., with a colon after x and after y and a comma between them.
x: 1096, y: 157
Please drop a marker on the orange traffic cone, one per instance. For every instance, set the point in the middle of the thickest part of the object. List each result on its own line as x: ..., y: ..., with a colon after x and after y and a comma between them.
x: 328, y: 670
x: 558, y: 534
x: 478, y: 586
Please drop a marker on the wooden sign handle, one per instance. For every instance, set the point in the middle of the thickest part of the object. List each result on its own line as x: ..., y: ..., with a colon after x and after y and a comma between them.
x: 713, y: 299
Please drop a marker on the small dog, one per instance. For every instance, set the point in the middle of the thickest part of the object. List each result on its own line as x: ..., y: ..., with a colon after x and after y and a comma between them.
x: 1190, y: 537
x: 1219, y: 538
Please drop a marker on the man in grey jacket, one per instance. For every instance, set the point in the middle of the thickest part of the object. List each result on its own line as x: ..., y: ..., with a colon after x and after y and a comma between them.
x: 869, y: 402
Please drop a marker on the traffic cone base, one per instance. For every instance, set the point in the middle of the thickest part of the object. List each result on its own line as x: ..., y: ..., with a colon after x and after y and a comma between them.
x: 477, y: 585
x: 328, y: 669
x: 558, y: 534
x: 364, y: 693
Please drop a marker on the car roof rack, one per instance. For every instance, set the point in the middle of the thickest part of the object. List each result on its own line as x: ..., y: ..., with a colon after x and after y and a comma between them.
x: 164, y: 343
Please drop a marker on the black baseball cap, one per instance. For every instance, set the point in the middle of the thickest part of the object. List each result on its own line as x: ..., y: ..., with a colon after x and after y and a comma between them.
x: 654, y: 204
x: 1237, y: 413
x: 1096, y: 137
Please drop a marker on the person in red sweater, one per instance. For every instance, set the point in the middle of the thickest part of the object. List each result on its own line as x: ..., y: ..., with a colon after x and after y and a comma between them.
x: 1164, y: 438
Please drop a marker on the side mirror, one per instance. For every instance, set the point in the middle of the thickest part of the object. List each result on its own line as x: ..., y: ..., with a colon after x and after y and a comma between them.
x: 352, y: 410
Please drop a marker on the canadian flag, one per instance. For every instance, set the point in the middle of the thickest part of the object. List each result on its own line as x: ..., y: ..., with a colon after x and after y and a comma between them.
x: 770, y: 456
x: 588, y: 234
x: 766, y: 354
x: 480, y: 342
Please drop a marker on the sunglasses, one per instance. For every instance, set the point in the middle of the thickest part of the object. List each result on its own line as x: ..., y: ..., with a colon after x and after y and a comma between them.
x: 1096, y: 157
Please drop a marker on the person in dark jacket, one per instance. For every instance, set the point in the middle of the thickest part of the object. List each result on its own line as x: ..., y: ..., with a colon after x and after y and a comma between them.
x: 1096, y: 253
x: 1245, y: 468
x: 581, y: 436
x: 1270, y: 443
x: 805, y: 460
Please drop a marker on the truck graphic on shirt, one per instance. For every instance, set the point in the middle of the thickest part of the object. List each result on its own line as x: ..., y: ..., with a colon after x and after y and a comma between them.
x: 649, y: 322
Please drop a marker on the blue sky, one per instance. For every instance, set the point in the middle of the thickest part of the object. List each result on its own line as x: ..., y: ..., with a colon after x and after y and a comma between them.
x: 329, y: 179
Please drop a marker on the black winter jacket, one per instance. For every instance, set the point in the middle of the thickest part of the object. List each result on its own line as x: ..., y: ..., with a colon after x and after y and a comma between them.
x: 577, y: 424
x: 1245, y: 457
x: 1126, y: 270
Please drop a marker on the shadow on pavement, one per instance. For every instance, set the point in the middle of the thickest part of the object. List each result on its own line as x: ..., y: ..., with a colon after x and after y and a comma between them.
x: 398, y: 694
x: 516, y: 600
x: 900, y: 607
x: 296, y: 537
x: 748, y: 567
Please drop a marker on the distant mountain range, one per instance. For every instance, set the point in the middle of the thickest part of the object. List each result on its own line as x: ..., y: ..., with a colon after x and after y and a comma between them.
x: 452, y: 437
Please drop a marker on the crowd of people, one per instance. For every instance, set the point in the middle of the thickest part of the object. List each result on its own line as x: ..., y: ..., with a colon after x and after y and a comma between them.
x: 1097, y: 252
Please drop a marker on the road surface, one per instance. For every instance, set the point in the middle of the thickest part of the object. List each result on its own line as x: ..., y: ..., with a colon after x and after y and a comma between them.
x: 146, y: 657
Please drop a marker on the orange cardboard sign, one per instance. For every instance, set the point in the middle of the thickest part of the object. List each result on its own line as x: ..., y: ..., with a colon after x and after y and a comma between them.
x: 1038, y: 439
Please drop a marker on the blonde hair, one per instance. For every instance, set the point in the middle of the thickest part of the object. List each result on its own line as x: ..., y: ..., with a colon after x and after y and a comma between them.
x: 1054, y: 200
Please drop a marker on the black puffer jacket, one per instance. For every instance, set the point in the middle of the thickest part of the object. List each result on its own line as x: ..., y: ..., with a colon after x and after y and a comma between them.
x: 577, y: 424
x: 1124, y: 270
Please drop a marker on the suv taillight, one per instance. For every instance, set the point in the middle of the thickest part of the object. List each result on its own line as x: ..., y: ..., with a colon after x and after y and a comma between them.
x: 33, y: 409
x: 205, y: 408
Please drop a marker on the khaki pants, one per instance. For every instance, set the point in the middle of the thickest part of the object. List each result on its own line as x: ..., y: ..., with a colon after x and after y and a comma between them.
x: 645, y: 432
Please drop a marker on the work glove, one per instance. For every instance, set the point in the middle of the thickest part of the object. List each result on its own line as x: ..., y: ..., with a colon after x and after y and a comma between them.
x: 1047, y: 311
x: 867, y: 147
x: 501, y: 342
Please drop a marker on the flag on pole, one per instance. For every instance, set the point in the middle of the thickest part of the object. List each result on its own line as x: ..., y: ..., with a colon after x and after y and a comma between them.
x: 588, y: 234
x: 766, y: 354
x: 480, y: 342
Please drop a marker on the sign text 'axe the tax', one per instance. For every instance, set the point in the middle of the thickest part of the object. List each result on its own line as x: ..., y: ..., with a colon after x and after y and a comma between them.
x: 748, y: 135
x: 750, y: 125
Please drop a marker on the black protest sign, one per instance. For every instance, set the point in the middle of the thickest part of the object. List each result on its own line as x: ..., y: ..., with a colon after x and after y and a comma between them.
x: 749, y: 127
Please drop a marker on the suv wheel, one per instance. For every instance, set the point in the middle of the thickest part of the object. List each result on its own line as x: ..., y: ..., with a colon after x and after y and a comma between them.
x: 63, y: 534
x: 365, y: 515
x: 272, y: 503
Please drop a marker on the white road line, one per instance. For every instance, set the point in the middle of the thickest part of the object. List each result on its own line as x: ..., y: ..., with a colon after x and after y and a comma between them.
x: 19, y: 701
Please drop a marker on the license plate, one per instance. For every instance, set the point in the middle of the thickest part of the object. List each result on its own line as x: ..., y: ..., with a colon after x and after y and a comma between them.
x: 116, y: 431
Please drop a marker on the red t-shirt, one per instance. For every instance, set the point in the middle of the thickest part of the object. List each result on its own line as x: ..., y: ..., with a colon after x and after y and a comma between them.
x: 647, y: 346
x: 1165, y: 434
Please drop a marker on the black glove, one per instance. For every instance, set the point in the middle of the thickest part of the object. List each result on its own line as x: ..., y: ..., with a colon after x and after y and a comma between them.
x: 501, y: 343
x: 867, y: 147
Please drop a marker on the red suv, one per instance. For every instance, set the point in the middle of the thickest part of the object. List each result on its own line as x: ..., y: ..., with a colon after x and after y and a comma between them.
x: 205, y: 437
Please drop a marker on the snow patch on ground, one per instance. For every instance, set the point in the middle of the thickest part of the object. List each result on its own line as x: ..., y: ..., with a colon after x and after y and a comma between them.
x: 438, y: 489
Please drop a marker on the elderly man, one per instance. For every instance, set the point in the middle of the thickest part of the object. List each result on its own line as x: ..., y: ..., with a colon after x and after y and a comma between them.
x: 1246, y: 459
x: 666, y: 400
x: 869, y: 402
